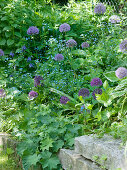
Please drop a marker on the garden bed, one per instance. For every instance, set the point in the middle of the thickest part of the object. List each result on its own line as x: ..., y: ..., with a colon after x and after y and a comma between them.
x: 63, y: 75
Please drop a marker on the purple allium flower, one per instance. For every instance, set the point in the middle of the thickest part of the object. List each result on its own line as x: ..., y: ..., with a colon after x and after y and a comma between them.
x: 114, y: 19
x: 96, y: 91
x: 71, y: 43
x: 28, y: 59
x: 123, y: 46
x: 32, y: 94
x: 23, y: 48
x: 2, y: 93
x: 96, y: 82
x: 11, y: 54
x: 1, y: 52
x: 32, y: 30
x: 64, y: 99
x: 84, y: 45
x: 31, y: 65
x: 37, y: 80
x: 84, y: 92
x: 99, y: 9
x: 121, y: 72
x: 64, y: 27
x: 59, y: 57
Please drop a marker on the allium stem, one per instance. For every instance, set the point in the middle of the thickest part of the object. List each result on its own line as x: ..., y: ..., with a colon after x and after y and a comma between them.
x: 35, y: 47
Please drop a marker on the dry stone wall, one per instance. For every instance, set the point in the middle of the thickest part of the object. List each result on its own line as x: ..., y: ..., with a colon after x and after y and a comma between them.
x: 92, y: 153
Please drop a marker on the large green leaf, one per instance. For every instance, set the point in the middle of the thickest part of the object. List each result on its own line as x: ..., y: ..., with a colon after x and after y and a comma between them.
x: 18, y: 34
x: 4, y: 18
x: 10, y: 42
x: 46, y: 144
x: 119, y: 93
x: 7, y: 28
x: 62, y: 94
x: 121, y: 85
x: 51, y: 163
x: 2, y: 42
x: 30, y: 160
x: 111, y: 76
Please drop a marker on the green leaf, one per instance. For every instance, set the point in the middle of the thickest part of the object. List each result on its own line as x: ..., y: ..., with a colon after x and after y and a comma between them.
x: 51, y: 163
x: 111, y: 76
x: 104, y: 98
x: 70, y: 141
x: 8, y: 34
x: 10, y: 151
x: 15, y: 25
x: 89, y: 106
x: 98, y: 116
x: 8, y: 28
x: 2, y: 42
x: 58, y: 145
x: 46, y: 154
x: 105, y: 85
x: 121, y: 85
x: 4, y: 18
x: 10, y: 42
x: 81, y: 99
x: 118, y: 93
x: 46, y: 144
x: 61, y: 93
x: 31, y: 160
x: 18, y: 34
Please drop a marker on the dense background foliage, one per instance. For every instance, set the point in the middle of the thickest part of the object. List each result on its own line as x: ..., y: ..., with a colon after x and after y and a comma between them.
x: 43, y: 124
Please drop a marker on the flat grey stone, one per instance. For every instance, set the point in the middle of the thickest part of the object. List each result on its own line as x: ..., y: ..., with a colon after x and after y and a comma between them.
x: 92, y: 147
x: 73, y: 161
x: 3, y: 139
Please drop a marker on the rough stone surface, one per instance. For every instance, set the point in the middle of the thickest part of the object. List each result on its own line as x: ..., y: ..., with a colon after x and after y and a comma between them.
x: 73, y: 161
x: 90, y: 146
x: 3, y: 140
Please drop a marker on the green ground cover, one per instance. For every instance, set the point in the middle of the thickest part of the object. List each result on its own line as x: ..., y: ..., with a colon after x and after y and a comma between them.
x: 61, y: 81
x: 8, y: 161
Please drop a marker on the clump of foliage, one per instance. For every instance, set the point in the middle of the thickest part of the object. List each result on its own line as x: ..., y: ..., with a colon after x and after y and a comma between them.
x: 63, y: 74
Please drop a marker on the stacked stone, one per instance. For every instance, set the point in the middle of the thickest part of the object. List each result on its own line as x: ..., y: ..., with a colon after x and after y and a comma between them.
x: 92, y: 153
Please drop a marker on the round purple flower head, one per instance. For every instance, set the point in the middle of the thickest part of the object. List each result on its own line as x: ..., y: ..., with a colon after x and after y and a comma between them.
x: 123, y: 46
x: 96, y: 82
x: 37, y: 80
x: 32, y: 30
x: 84, y: 92
x: 84, y: 45
x: 99, y: 9
x: 71, y: 43
x: 32, y: 94
x: 64, y: 27
x: 2, y: 93
x: 96, y: 91
x: 114, y: 19
x: 64, y: 99
x: 23, y: 48
x: 121, y: 72
x: 59, y: 57
x: 11, y: 54
x: 1, y: 52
